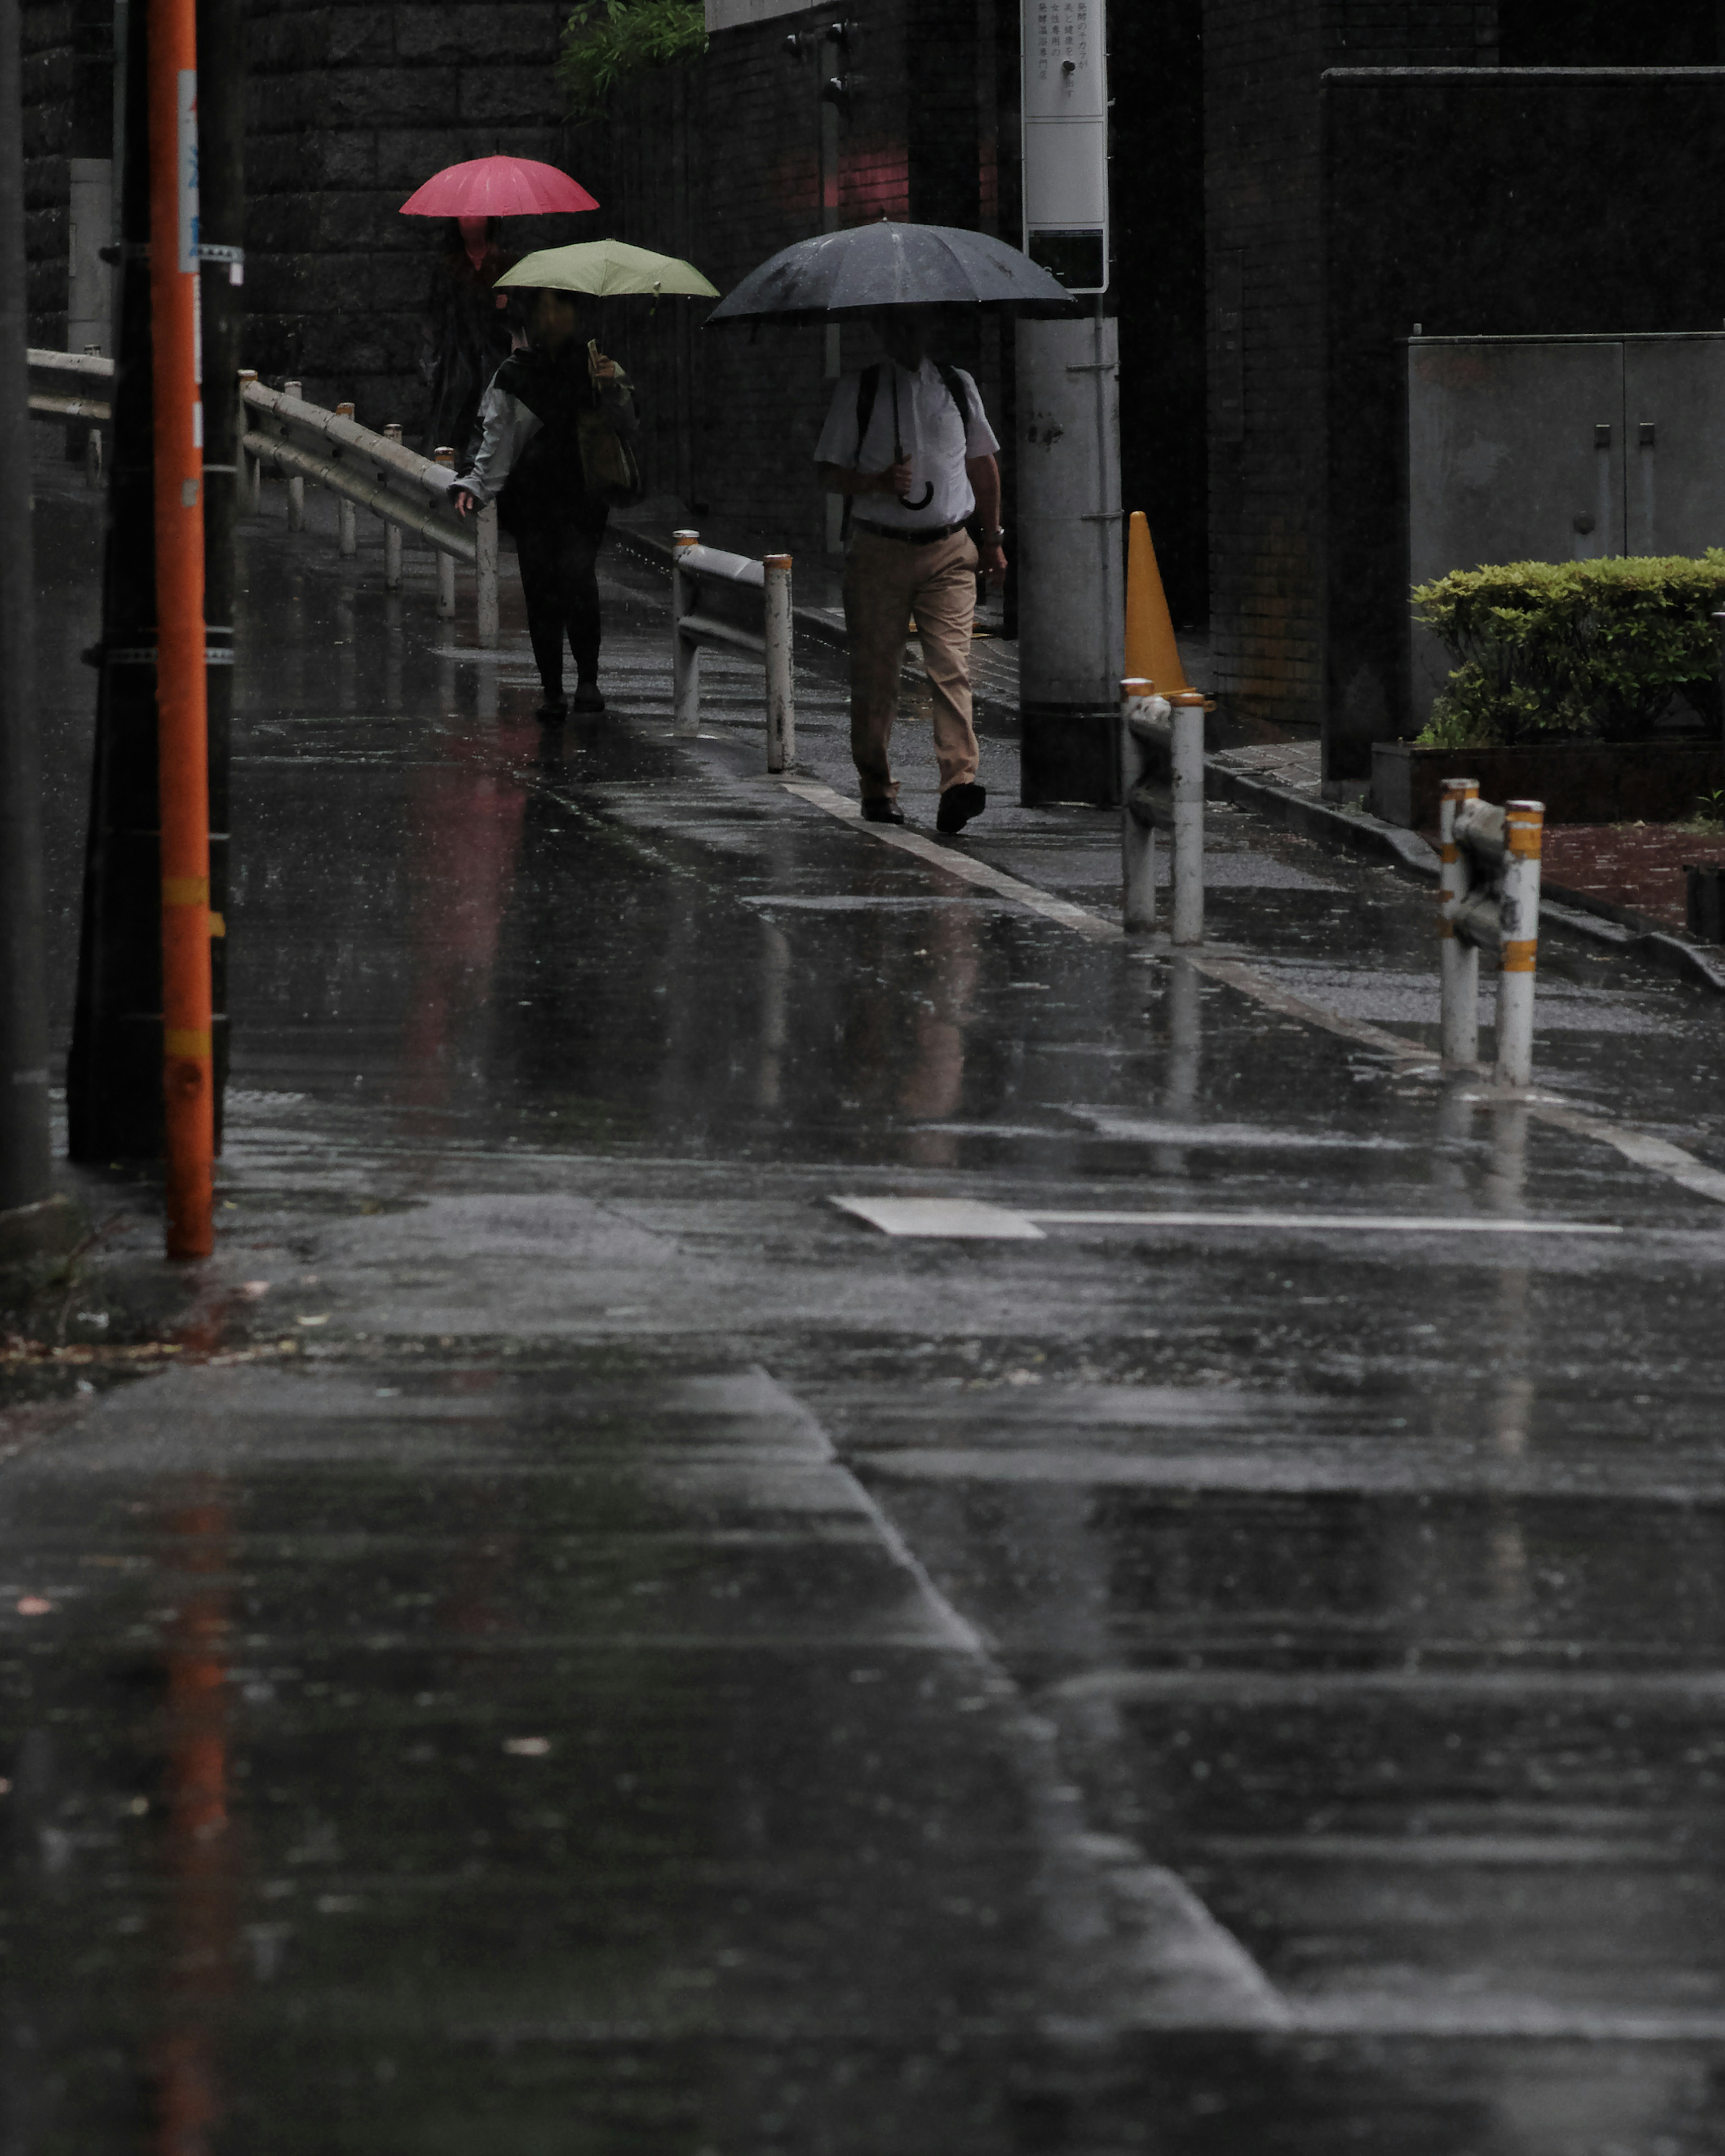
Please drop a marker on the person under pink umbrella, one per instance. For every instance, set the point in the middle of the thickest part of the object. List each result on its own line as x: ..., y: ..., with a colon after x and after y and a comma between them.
x: 462, y: 334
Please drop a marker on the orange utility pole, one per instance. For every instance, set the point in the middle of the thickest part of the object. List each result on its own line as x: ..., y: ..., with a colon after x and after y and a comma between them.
x: 188, y: 1074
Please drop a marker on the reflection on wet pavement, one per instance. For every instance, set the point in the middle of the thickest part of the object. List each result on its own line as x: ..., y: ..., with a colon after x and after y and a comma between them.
x: 637, y: 1661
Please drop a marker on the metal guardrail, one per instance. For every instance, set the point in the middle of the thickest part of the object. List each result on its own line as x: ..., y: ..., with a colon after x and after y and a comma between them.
x: 1488, y: 899
x: 1161, y: 788
x: 374, y: 471
x: 706, y: 578
x: 71, y: 385
x: 64, y: 385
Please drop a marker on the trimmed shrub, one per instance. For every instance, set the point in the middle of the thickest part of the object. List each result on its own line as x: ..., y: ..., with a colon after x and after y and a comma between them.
x: 1558, y: 651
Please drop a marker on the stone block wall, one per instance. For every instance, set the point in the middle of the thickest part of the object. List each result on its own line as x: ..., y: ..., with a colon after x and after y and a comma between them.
x: 350, y: 106
x: 1264, y: 61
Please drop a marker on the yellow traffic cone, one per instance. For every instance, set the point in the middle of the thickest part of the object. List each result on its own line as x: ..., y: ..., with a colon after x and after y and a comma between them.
x: 1152, y: 653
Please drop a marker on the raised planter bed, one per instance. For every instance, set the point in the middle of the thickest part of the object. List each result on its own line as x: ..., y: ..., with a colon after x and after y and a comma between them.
x: 1588, y: 782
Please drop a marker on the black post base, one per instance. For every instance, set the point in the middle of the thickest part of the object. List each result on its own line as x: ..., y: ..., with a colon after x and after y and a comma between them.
x: 1068, y: 753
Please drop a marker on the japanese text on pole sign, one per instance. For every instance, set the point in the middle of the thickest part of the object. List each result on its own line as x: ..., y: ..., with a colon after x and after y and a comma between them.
x: 188, y: 170
x: 1065, y: 140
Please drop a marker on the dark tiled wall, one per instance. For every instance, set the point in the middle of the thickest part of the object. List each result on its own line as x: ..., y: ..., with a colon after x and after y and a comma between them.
x: 1263, y: 63
x: 67, y: 75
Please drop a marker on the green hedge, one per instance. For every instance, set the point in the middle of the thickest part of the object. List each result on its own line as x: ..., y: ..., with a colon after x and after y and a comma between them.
x: 1574, y: 650
x: 607, y: 42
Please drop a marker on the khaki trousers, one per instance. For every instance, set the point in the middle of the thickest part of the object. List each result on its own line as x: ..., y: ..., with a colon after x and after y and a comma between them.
x: 885, y: 581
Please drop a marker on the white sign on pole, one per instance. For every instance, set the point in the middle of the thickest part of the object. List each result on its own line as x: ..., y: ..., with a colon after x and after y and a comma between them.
x: 1066, y: 108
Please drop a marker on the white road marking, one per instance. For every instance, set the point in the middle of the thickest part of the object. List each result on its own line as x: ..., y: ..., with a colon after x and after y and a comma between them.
x: 953, y: 1217
x: 959, y: 865
x: 968, y: 1218
x: 1658, y: 1155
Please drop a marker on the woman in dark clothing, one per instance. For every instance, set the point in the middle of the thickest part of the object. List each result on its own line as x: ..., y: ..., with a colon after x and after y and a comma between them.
x: 530, y: 463
x: 462, y: 333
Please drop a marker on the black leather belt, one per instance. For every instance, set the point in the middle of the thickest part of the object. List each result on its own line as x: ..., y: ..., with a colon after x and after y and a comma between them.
x: 920, y: 537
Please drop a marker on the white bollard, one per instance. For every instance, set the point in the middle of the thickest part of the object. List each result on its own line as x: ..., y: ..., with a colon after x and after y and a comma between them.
x: 296, y: 482
x: 686, y: 654
x: 251, y: 493
x: 392, y: 530
x: 1458, y: 962
x: 445, y: 456
x: 1139, y: 702
x: 1187, y: 723
x: 1523, y: 830
x: 485, y: 536
x: 781, y: 713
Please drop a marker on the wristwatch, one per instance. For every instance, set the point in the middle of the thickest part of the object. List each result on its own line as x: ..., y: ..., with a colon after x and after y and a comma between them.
x: 994, y: 537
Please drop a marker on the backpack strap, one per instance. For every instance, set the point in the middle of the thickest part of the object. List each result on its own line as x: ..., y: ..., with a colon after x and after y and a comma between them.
x: 956, y: 390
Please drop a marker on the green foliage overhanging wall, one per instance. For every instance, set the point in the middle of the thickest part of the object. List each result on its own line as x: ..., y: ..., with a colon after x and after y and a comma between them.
x: 605, y: 42
x: 1574, y: 650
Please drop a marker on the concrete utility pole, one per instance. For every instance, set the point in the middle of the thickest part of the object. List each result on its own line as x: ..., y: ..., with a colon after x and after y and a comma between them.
x: 24, y: 1157
x: 1071, y: 561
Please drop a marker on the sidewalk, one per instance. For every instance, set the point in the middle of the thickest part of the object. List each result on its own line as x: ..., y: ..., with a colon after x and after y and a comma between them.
x: 586, y: 1644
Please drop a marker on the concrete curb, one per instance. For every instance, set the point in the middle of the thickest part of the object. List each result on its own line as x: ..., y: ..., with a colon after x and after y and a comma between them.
x: 1620, y: 927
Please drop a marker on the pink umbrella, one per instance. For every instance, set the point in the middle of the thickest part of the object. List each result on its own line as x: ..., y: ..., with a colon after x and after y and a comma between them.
x: 497, y: 187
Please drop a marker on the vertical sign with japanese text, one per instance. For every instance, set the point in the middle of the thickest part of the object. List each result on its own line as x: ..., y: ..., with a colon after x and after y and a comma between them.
x: 1066, y: 108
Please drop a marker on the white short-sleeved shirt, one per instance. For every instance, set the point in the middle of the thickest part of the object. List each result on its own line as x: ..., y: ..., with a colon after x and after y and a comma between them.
x: 935, y: 440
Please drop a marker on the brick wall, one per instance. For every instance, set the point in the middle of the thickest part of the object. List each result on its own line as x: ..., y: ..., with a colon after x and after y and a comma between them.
x: 1263, y: 63
x: 351, y: 106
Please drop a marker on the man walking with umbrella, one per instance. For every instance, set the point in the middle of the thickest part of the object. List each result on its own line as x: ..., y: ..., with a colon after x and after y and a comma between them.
x: 908, y: 442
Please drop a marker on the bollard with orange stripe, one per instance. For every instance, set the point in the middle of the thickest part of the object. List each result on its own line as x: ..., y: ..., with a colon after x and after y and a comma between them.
x: 1518, y: 915
x: 182, y: 722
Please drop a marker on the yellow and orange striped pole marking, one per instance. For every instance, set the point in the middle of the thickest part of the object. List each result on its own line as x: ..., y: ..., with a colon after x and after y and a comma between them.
x: 1518, y: 910
x: 183, y: 723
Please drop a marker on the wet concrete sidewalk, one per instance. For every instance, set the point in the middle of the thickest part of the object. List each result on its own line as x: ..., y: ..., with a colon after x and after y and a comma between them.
x: 594, y: 1647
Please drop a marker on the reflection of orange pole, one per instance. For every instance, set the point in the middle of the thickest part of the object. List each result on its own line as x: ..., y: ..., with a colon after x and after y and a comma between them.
x: 200, y: 1973
x: 183, y: 747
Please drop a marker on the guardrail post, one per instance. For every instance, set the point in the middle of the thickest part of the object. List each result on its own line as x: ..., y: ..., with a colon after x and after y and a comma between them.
x: 1187, y: 726
x: 1137, y: 835
x: 686, y: 653
x: 296, y: 480
x: 251, y: 498
x: 781, y: 712
x: 1523, y: 830
x: 445, y: 562
x: 346, y: 521
x: 1458, y: 961
x: 392, y: 530
x: 485, y: 564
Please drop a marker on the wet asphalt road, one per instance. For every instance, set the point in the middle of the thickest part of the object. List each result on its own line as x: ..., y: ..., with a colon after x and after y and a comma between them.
x: 603, y: 1651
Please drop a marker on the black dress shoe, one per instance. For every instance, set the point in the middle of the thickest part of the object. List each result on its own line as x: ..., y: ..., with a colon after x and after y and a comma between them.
x: 587, y: 697
x: 552, y: 711
x: 958, y: 804
x: 882, y: 812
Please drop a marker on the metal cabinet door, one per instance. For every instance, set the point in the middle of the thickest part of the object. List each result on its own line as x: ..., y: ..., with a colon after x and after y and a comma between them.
x: 1674, y: 407
x: 1515, y: 454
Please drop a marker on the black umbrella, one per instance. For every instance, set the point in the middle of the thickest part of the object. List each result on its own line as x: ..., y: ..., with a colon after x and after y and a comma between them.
x: 889, y: 266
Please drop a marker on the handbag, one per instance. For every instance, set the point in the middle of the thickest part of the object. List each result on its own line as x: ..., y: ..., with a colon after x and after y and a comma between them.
x: 608, y: 469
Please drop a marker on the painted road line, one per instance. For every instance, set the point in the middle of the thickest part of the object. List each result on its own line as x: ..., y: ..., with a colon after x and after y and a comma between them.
x: 962, y: 865
x: 968, y: 1219
x: 952, y: 1217
x: 1658, y: 1155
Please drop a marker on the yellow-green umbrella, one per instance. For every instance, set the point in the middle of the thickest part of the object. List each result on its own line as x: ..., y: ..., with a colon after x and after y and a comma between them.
x: 609, y: 268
